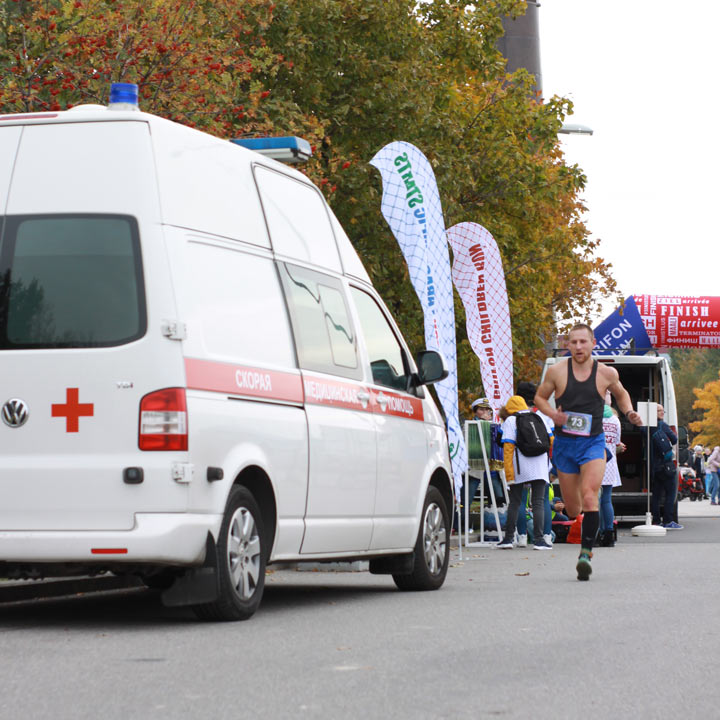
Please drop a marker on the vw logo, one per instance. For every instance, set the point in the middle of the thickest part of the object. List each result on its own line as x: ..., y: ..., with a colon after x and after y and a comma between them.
x: 15, y: 413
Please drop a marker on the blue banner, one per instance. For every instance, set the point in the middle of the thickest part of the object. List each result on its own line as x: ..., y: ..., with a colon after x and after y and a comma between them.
x: 623, y: 332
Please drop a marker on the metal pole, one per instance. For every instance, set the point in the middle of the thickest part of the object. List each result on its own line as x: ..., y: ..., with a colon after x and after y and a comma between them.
x: 648, y: 514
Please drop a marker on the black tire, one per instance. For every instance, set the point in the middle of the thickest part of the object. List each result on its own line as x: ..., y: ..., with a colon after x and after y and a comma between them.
x: 693, y: 498
x: 241, y: 559
x: 432, y: 549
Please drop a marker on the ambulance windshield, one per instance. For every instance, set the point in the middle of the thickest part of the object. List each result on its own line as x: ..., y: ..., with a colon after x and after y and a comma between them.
x: 70, y: 281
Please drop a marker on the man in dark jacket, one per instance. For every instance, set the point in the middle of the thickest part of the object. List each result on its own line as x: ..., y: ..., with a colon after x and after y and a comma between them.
x: 664, y: 475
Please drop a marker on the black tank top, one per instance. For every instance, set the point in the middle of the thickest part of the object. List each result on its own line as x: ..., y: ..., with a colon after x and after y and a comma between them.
x: 582, y: 397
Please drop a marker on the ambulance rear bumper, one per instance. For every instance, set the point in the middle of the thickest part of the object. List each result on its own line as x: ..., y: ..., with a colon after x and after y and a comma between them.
x: 156, y: 538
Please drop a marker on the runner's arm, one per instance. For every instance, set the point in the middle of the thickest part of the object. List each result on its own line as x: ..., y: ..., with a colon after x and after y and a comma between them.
x: 622, y: 397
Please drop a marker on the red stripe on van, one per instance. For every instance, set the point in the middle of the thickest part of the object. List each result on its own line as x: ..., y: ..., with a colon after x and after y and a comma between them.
x: 242, y: 380
x: 398, y: 405
x: 321, y: 391
x: 315, y: 390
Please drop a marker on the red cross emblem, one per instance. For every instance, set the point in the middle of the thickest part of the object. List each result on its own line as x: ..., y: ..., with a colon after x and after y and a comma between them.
x: 72, y: 410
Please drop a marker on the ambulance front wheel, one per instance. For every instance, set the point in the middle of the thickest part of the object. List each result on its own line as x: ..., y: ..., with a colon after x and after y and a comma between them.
x: 241, y: 557
x: 432, y: 549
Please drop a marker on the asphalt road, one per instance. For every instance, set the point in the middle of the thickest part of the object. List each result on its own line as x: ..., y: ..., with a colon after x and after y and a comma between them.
x: 512, y: 634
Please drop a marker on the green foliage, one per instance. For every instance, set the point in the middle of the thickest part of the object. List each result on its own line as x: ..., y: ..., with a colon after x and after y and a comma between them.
x: 708, y: 402
x: 374, y: 71
x: 350, y: 76
x: 199, y: 62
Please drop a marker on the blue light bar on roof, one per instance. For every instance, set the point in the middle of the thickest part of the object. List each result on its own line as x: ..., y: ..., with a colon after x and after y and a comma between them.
x: 289, y: 149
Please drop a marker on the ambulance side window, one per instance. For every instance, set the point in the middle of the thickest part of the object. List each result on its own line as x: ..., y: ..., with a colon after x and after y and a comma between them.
x: 387, y: 357
x: 297, y: 219
x: 324, y: 335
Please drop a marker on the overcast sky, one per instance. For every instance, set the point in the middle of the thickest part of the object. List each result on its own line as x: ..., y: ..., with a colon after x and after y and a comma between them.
x: 644, y: 75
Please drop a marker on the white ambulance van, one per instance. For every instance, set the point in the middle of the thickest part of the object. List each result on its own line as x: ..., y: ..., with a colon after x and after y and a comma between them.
x: 647, y: 378
x: 198, y: 378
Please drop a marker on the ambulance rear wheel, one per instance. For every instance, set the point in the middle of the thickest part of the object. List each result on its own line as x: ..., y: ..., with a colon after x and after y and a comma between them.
x: 432, y: 549
x: 241, y: 558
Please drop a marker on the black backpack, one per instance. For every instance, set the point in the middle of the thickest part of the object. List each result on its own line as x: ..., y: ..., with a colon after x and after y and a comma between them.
x: 532, y: 437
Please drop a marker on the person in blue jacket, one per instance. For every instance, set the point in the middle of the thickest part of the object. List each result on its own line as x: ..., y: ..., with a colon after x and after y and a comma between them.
x: 664, y: 474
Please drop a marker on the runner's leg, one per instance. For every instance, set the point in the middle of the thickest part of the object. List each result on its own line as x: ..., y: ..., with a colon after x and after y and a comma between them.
x: 591, y: 476
x: 571, y: 495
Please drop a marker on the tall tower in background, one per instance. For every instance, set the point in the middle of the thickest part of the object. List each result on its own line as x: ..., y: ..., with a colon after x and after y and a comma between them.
x: 521, y: 43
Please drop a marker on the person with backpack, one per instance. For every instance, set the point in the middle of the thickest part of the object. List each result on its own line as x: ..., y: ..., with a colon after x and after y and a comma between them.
x: 664, y: 472
x: 526, y: 390
x: 526, y: 443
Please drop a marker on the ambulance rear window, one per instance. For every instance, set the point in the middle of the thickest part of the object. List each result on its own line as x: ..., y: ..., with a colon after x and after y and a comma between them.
x: 70, y: 281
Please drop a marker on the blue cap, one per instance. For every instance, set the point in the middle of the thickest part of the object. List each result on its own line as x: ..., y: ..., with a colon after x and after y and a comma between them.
x: 124, y: 93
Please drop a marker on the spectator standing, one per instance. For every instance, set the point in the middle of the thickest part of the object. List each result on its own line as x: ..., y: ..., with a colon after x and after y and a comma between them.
x: 697, y: 463
x: 706, y: 455
x: 664, y: 473
x: 526, y: 390
x: 611, y: 479
x: 711, y: 466
x: 521, y: 469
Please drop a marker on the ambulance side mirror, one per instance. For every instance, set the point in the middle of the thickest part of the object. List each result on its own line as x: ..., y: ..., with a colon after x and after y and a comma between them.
x: 431, y: 367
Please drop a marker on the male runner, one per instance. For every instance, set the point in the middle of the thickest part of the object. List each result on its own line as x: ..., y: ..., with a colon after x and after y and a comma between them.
x: 580, y: 384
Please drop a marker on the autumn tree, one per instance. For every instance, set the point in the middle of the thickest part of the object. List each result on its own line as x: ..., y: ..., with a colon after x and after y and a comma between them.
x: 692, y: 368
x: 708, y: 401
x: 199, y: 62
x: 350, y: 76
x: 375, y: 71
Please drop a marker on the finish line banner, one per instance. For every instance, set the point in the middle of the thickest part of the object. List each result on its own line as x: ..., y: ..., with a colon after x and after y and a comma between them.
x: 680, y: 321
x: 480, y: 281
x: 411, y: 206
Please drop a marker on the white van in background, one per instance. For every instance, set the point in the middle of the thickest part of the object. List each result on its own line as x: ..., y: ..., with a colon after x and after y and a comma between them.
x: 198, y: 378
x: 647, y: 378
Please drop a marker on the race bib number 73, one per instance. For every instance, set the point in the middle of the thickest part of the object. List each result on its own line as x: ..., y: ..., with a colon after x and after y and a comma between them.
x: 578, y: 424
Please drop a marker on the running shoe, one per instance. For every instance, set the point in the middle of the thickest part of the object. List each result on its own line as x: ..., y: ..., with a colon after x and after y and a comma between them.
x: 505, y: 544
x: 583, y: 567
x: 548, y: 539
x: 522, y: 540
x: 673, y: 526
x: 542, y: 545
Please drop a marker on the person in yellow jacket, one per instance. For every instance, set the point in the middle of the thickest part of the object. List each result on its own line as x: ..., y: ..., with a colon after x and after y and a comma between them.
x: 521, y: 469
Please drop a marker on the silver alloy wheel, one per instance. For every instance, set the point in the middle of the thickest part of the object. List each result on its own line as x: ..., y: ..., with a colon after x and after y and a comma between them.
x: 243, y: 553
x: 434, y: 538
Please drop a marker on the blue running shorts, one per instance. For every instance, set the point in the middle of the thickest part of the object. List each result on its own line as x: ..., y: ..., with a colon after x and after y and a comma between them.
x: 569, y: 453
